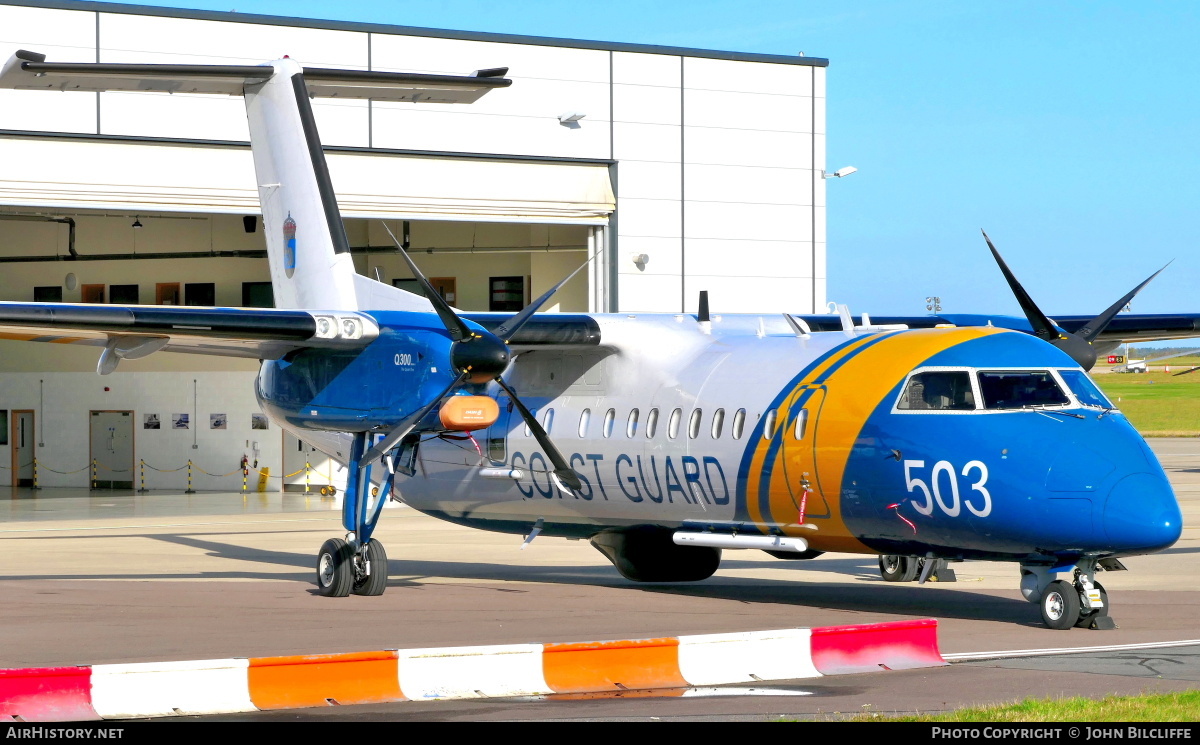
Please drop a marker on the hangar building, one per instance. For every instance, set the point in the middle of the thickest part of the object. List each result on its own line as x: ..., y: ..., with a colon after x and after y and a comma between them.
x: 692, y: 170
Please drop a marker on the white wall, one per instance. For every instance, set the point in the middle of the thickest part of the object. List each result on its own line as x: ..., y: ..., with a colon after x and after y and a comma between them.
x: 62, y: 423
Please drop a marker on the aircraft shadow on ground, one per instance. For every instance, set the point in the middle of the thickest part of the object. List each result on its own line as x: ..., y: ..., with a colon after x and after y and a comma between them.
x: 859, y: 587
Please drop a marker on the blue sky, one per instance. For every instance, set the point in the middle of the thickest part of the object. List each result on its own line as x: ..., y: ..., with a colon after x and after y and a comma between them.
x: 1069, y: 131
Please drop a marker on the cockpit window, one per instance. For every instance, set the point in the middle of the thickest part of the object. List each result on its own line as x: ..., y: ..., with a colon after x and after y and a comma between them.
x: 1084, y: 389
x: 940, y: 390
x: 1020, y: 389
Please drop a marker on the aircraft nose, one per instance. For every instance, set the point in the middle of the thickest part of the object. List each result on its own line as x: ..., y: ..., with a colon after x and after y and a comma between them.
x: 1142, y: 514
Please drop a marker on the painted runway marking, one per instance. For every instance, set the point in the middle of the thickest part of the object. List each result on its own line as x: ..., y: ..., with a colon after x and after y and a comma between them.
x: 973, y: 656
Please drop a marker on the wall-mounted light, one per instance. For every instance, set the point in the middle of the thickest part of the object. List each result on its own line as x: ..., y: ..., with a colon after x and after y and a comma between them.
x: 137, y: 223
x: 839, y: 173
x: 570, y: 119
x: 640, y: 260
x: 71, y: 281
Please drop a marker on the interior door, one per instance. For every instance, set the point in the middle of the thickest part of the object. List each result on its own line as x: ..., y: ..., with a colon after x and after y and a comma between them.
x: 24, y: 442
x: 112, y: 448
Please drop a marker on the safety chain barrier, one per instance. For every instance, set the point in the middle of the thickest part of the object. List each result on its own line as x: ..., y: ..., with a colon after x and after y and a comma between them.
x: 95, y: 466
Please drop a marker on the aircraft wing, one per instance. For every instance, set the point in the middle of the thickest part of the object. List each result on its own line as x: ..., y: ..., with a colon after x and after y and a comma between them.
x: 133, y: 331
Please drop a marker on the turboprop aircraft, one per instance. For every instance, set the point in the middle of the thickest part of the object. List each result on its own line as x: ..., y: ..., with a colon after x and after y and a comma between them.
x: 663, y: 439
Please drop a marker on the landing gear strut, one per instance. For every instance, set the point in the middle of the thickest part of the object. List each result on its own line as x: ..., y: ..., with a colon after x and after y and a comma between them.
x: 357, y: 564
x: 1077, y: 603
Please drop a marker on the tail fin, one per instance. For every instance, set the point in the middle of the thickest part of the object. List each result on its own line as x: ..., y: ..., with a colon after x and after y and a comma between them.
x: 309, y: 254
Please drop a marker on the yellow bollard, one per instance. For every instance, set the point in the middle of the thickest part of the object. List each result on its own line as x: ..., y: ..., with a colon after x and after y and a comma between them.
x: 263, y: 475
x: 306, y: 469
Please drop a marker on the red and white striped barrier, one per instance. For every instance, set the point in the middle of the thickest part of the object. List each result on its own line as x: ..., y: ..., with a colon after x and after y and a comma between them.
x: 156, y: 689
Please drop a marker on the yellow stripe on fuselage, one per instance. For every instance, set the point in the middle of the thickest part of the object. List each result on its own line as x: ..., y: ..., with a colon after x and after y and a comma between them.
x: 853, y: 392
x: 754, y: 476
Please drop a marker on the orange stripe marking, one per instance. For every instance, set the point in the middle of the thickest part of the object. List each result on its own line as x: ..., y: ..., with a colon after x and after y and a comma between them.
x: 319, y: 680
x: 605, y: 666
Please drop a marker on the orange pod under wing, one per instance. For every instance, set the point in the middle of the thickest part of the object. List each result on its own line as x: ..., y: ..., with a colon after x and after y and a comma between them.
x: 467, y: 413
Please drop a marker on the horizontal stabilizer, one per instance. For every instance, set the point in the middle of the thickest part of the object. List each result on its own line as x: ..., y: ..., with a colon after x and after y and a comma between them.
x: 29, y: 71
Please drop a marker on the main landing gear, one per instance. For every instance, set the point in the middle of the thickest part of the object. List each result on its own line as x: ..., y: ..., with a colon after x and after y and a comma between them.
x: 908, y: 568
x: 1081, y: 602
x: 357, y: 564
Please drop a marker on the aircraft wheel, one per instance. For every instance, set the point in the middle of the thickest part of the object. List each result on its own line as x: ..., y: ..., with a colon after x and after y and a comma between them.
x: 1060, y: 605
x: 1087, y: 614
x: 898, y: 568
x: 375, y: 582
x: 335, y: 569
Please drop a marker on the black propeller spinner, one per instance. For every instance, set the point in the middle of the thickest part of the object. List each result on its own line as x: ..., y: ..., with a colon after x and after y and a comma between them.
x: 478, y: 356
x: 1079, y: 344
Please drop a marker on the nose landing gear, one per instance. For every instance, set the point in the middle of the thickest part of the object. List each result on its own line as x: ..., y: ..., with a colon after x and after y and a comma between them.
x: 1079, y: 603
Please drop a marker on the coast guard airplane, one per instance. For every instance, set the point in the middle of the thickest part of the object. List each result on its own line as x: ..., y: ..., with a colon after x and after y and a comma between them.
x: 663, y: 439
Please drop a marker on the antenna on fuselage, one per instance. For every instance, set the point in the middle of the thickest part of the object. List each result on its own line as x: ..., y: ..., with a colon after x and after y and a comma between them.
x: 702, y: 316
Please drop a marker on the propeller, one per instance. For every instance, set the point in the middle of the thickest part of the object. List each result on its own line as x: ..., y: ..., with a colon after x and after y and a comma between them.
x: 478, y: 356
x: 1185, y: 372
x: 1077, y: 345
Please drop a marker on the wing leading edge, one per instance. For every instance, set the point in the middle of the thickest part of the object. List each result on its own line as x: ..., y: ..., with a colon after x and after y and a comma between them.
x: 133, y: 331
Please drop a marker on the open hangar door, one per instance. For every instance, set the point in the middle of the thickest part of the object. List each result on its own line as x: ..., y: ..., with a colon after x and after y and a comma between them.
x: 151, y: 202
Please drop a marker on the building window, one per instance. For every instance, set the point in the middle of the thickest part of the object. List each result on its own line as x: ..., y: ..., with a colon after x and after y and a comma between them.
x: 47, y: 294
x: 506, y: 293
x: 200, y: 293
x: 257, y: 295
x: 123, y: 294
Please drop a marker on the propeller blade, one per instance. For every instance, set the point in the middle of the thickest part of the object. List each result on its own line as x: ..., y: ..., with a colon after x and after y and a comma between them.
x: 1185, y: 372
x: 1096, y: 326
x: 458, y: 330
x: 401, y: 430
x: 1042, y: 327
x: 509, y: 328
x: 562, y: 470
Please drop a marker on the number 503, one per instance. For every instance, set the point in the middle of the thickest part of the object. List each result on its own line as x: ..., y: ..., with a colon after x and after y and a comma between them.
x: 932, y: 491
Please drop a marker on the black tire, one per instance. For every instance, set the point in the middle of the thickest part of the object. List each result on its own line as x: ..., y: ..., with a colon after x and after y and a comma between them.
x: 1087, y: 614
x: 335, y: 569
x: 1060, y: 605
x: 375, y: 582
x: 895, y: 568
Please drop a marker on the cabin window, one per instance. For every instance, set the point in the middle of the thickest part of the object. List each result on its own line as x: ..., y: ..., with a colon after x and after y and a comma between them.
x: 548, y: 420
x: 801, y: 423
x: 938, y: 391
x: 673, y: 423
x: 610, y: 416
x: 1084, y: 389
x: 694, y: 423
x: 1020, y: 389
x: 739, y: 423
x: 631, y: 425
x: 585, y: 416
x: 718, y: 422
x: 651, y: 423
x: 769, y: 425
